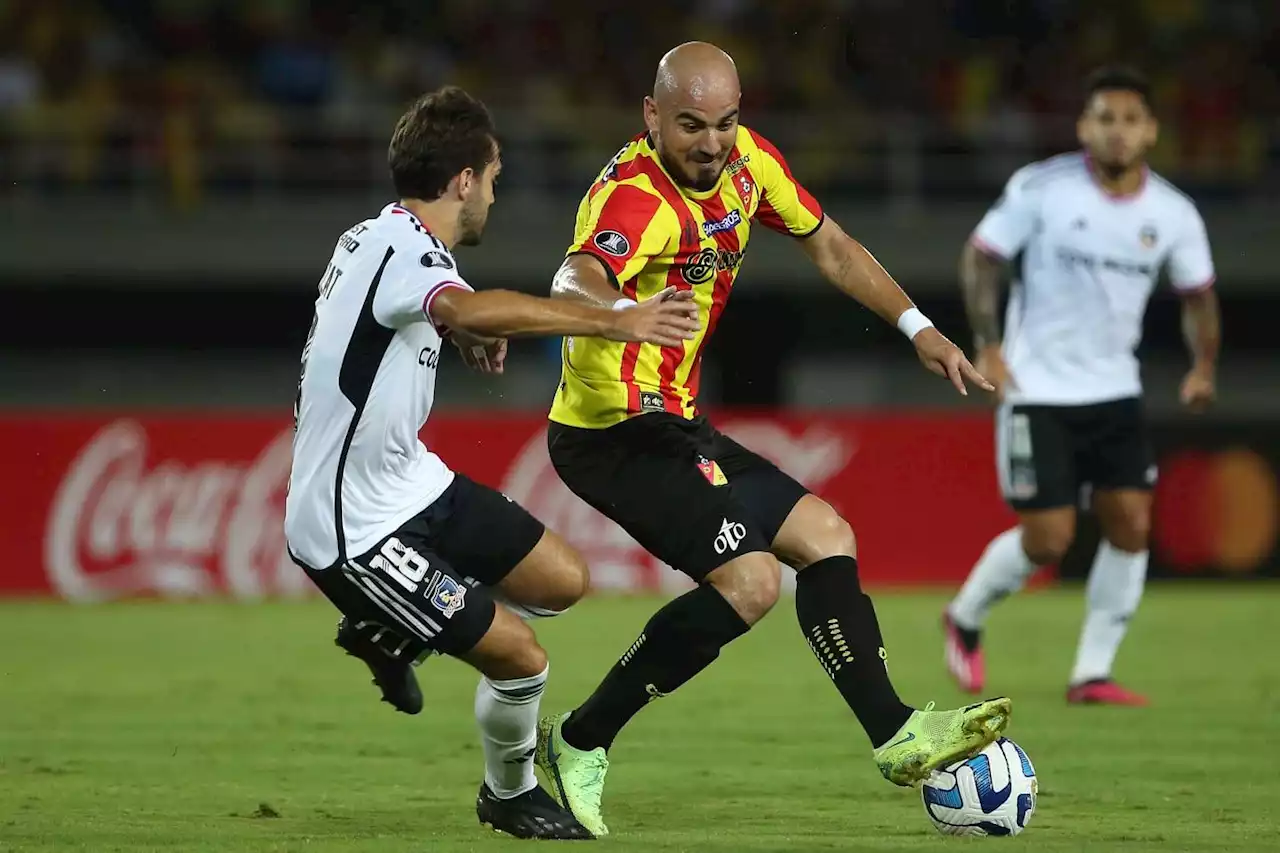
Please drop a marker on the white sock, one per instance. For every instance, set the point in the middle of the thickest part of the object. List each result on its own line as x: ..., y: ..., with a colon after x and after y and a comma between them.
x: 1112, y: 595
x: 1001, y: 570
x: 507, y: 712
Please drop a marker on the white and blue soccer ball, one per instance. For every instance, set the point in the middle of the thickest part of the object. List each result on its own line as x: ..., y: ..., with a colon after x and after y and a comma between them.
x: 992, y: 793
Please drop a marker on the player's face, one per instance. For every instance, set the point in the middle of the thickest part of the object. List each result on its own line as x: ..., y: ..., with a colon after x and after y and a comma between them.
x: 1117, y: 129
x: 476, y: 204
x: 694, y: 139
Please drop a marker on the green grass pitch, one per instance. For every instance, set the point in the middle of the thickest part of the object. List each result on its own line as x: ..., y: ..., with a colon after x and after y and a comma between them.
x: 220, y: 727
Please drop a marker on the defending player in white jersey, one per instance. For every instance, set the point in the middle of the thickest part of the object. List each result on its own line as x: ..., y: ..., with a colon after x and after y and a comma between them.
x: 1093, y: 230
x: 414, y: 555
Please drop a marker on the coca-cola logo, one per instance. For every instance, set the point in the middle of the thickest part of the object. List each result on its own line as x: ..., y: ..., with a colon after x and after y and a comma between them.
x: 617, y: 561
x: 122, y: 524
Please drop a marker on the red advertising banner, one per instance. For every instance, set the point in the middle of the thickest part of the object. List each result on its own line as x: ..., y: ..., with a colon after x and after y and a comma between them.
x: 94, y: 507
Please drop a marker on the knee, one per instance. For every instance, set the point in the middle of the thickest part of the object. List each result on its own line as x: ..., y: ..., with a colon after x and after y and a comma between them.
x: 814, y: 531
x: 751, y: 584
x: 830, y: 536
x: 1046, y: 544
x: 524, y: 656
x: 1132, y: 530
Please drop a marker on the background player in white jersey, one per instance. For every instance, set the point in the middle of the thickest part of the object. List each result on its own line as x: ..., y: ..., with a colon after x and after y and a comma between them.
x: 413, y: 555
x: 1093, y: 229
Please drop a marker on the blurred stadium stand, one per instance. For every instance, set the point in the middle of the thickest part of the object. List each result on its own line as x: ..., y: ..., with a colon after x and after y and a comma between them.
x: 174, y: 171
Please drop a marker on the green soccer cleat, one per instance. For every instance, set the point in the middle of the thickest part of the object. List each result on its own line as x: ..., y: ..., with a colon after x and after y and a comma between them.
x: 931, y: 739
x: 576, y: 776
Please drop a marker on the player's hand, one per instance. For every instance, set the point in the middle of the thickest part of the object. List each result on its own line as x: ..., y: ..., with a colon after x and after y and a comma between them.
x: 946, y: 359
x: 667, y: 319
x: 990, y: 364
x: 1199, y: 388
x: 486, y: 355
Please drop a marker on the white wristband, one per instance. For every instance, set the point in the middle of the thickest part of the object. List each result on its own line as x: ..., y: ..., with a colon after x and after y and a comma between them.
x: 623, y: 304
x: 912, y: 322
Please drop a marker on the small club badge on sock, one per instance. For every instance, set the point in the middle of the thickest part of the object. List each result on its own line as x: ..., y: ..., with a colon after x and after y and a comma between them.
x: 711, y: 470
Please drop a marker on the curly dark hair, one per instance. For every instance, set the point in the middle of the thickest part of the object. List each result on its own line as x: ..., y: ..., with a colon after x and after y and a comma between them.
x: 1118, y: 78
x: 443, y: 133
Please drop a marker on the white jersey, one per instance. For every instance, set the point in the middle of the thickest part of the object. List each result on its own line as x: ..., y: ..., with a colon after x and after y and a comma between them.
x: 1089, y: 264
x: 368, y: 381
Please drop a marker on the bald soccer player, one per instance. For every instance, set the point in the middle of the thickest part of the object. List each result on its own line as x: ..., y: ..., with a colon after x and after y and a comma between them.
x: 674, y: 208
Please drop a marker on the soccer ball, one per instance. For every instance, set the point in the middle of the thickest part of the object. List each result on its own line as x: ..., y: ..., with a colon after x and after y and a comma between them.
x: 992, y: 793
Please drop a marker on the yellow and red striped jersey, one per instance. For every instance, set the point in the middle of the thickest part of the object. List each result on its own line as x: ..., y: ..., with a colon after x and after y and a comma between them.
x: 651, y: 233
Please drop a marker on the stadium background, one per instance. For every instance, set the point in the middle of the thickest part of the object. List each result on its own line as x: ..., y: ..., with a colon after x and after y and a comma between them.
x: 173, y: 174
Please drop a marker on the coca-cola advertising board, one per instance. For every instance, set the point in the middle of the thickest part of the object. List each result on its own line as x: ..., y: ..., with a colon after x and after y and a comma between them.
x: 103, y: 507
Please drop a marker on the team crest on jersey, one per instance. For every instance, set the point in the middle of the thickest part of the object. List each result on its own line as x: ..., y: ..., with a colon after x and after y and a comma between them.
x: 711, y: 470
x: 447, y: 595
x: 1148, y: 236
x: 612, y: 243
x: 726, y: 223
x: 745, y: 188
x: 436, y: 260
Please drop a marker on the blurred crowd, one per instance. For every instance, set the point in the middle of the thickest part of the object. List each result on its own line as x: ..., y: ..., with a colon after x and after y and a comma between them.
x: 188, y: 97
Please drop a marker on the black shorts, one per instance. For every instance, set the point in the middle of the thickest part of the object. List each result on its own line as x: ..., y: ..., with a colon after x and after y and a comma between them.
x: 426, y: 582
x: 1048, y: 454
x: 690, y: 495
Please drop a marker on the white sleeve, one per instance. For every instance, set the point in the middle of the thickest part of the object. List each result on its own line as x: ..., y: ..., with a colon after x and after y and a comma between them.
x: 1011, y: 221
x: 407, y: 297
x: 1190, y: 261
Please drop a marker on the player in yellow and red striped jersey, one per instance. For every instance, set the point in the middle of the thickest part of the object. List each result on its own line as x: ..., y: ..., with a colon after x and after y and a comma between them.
x: 674, y: 209
x: 650, y: 233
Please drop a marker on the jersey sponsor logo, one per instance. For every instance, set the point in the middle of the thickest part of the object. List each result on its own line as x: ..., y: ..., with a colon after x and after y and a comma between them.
x: 1148, y: 236
x: 1073, y: 259
x: 612, y: 243
x: 730, y: 537
x: 436, y: 260
x: 736, y: 166
x: 726, y: 223
x: 702, y: 267
x: 429, y: 357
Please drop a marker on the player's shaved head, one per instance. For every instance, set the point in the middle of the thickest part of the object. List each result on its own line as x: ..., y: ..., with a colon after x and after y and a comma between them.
x: 695, y: 71
x: 692, y: 115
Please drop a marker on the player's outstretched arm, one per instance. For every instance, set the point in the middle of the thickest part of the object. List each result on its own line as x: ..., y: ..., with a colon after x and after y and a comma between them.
x: 669, y: 319
x: 845, y: 263
x: 582, y: 277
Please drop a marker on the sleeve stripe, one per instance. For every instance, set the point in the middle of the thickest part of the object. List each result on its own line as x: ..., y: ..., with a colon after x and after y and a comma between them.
x: 986, y: 248
x: 435, y: 291
x: 1194, y: 289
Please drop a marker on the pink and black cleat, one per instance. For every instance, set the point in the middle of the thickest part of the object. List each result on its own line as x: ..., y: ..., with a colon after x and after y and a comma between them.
x: 964, y: 656
x: 1104, y: 691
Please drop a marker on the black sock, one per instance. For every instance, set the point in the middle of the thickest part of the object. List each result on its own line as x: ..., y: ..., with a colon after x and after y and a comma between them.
x: 839, y: 623
x: 681, y: 640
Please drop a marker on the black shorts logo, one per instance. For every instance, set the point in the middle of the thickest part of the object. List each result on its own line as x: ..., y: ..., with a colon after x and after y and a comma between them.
x: 612, y: 243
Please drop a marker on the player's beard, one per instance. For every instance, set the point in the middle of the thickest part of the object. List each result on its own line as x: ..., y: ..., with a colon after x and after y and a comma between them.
x: 696, y: 181
x: 471, y: 220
